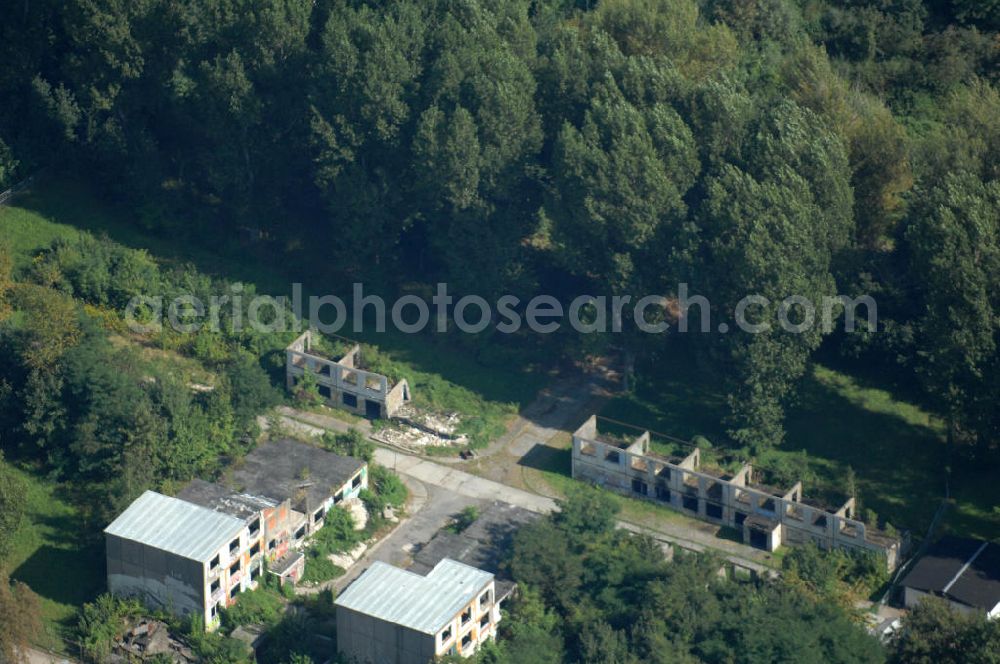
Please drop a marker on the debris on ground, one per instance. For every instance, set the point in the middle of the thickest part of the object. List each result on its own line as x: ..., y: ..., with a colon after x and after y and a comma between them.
x: 415, y: 428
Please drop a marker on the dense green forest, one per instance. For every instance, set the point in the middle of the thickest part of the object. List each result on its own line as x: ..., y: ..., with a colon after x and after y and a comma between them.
x: 774, y: 146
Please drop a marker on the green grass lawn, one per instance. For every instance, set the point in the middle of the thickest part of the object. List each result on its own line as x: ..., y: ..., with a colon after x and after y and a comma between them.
x: 57, y: 553
x: 28, y: 232
x: 896, y: 450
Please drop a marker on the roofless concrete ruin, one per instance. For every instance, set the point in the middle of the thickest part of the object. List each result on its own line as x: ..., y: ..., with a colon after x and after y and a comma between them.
x: 766, y: 516
x: 342, y: 381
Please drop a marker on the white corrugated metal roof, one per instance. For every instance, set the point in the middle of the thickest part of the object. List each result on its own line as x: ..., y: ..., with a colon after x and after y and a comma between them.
x: 422, y: 603
x: 174, y: 525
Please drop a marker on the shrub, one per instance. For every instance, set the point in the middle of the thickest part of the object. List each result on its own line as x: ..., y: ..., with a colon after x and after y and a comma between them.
x: 337, y: 534
x: 307, y: 389
x: 701, y: 443
x: 373, y: 503
x: 387, y: 485
x: 464, y: 519
x: 215, y: 648
x: 262, y: 606
x: 103, y: 621
x: 352, y: 443
x: 319, y: 569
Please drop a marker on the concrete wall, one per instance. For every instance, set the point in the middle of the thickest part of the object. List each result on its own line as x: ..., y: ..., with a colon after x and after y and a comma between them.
x: 680, y: 485
x: 367, y: 640
x: 277, y: 528
x: 340, y: 378
x: 161, y: 580
x: 240, y: 581
x: 474, y: 627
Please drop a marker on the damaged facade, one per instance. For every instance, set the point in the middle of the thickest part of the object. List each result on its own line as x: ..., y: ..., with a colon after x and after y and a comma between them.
x: 343, y: 382
x: 394, y: 615
x: 196, y: 552
x: 766, y: 516
x: 258, y: 512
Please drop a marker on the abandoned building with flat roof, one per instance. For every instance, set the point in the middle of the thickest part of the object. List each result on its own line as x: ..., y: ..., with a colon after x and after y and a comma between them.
x: 343, y: 381
x: 766, y: 516
x: 965, y: 572
x: 311, y: 479
x: 484, y: 544
x: 390, y: 615
x: 196, y: 552
x: 182, y: 557
x: 265, y: 517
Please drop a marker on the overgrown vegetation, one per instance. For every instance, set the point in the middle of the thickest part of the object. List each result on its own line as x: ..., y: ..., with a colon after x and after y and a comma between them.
x: 935, y: 632
x: 463, y: 519
x: 595, y: 594
x: 837, y: 576
x: 103, y: 416
x: 338, y: 533
x: 353, y: 444
x: 262, y: 606
x: 103, y: 621
x: 482, y: 419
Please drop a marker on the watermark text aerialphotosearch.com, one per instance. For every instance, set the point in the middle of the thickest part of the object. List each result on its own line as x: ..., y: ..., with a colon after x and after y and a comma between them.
x: 543, y: 314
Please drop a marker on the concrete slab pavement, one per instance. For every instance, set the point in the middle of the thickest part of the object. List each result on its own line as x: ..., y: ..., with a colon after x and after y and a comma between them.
x: 461, y: 482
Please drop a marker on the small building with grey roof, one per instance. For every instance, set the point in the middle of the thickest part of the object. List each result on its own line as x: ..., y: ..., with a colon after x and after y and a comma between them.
x: 963, y: 571
x: 390, y: 615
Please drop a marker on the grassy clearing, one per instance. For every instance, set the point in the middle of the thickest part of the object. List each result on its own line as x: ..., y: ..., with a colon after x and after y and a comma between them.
x: 896, y: 449
x: 57, y: 553
x: 482, y: 419
x: 28, y: 232
x: 61, y: 208
x: 162, y: 362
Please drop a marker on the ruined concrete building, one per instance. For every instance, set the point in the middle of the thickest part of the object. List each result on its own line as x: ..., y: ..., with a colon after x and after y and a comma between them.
x: 343, y: 381
x: 196, y: 552
x: 391, y: 615
x: 766, y: 516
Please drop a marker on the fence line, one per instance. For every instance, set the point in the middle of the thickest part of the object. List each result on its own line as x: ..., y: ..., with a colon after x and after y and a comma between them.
x: 16, y: 189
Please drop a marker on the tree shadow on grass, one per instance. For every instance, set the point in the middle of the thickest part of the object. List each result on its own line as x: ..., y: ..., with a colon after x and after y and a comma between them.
x: 673, y: 396
x: 548, y: 459
x: 898, y: 464
x: 65, y: 576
